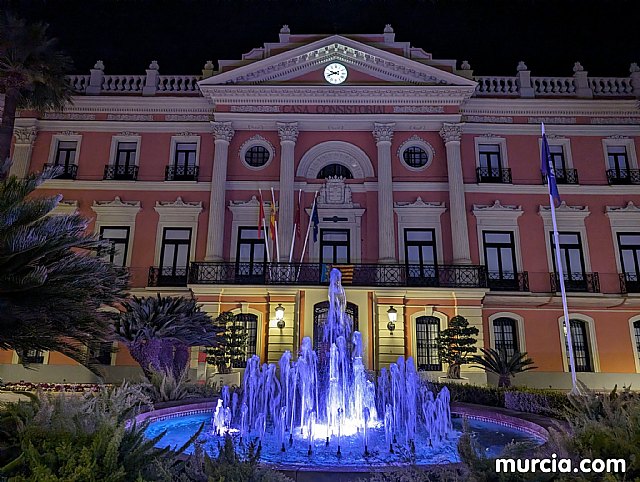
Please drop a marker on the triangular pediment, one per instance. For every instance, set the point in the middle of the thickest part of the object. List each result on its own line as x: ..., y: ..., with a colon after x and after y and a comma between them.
x: 366, y: 63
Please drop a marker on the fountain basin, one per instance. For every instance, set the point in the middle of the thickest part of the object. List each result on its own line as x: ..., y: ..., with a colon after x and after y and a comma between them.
x: 492, y: 431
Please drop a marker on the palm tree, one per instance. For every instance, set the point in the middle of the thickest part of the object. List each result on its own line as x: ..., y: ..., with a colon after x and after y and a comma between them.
x: 32, y: 74
x: 52, y: 287
x: 158, y: 331
x: 503, y: 365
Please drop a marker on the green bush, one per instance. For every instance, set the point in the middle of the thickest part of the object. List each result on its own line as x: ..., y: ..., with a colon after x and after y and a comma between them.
x: 547, y: 402
x: 489, y: 396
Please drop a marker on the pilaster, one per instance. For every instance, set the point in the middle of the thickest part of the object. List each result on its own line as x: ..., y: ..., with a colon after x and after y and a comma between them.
x: 288, y: 133
x: 21, y: 157
x: 223, y: 133
x: 451, y: 134
x: 383, y: 134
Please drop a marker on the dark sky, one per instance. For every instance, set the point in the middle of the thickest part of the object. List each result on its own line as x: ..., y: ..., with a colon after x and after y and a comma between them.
x: 550, y: 35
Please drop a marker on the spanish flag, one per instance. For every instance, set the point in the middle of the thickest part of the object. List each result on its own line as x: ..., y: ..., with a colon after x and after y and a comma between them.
x: 260, y: 217
x: 272, y: 220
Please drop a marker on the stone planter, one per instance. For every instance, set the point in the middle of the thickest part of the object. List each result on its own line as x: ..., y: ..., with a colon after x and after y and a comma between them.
x: 221, y: 379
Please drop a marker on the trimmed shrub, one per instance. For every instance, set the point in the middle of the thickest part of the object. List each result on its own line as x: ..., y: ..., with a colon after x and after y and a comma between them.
x: 540, y: 401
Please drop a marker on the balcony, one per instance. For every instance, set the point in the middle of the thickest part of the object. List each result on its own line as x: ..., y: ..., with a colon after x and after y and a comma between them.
x: 623, y: 176
x: 169, y: 276
x: 181, y: 173
x: 508, y: 281
x: 316, y: 274
x: 576, y: 282
x: 63, y: 171
x: 564, y: 176
x: 494, y: 175
x: 629, y: 283
x: 120, y: 173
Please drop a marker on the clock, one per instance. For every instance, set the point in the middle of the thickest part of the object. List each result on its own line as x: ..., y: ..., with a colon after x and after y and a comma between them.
x: 335, y: 73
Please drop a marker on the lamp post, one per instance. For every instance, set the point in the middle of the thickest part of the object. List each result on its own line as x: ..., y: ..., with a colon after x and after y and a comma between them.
x: 280, y: 316
x: 392, y: 313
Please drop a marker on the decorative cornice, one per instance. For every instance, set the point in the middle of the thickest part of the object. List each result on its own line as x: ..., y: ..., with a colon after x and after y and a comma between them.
x: 618, y: 136
x: 250, y: 203
x: 25, y: 135
x: 565, y: 208
x: 128, y: 134
x: 451, y: 132
x: 68, y: 133
x: 495, y: 207
x: 419, y: 203
x: 383, y: 132
x: 222, y: 131
x: 116, y: 203
x: 630, y: 208
x: 179, y: 203
x: 288, y: 131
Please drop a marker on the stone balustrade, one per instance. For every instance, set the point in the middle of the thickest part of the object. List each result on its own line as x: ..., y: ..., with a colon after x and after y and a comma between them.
x: 123, y: 83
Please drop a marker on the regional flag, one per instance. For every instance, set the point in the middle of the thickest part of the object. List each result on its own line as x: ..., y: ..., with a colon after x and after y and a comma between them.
x: 315, y: 221
x: 548, y: 169
x: 297, y: 219
x: 260, y: 217
x: 272, y: 220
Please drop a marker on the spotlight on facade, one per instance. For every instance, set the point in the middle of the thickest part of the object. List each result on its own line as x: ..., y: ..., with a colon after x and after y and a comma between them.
x: 392, y: 313
x: 280, y: 316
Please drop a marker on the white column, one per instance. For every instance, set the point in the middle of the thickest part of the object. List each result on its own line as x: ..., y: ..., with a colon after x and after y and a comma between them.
x: 383, y: 134
x: 25, y: 136
x: 222, y: 133
x: 288, y: 133
x: 451, y: 134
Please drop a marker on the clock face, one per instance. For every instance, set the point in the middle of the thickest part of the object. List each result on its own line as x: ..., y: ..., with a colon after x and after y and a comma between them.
x: 335, y: 73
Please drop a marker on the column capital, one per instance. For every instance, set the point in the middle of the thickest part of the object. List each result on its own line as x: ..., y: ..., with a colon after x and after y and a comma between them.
x: 451, y: 132
x: 25, y: 135
x: 222, y: 131
x: 383, y: 132
x: 288, y: 131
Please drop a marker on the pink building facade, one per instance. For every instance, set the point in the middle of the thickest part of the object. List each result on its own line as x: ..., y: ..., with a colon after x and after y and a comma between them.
x: 429, y: 193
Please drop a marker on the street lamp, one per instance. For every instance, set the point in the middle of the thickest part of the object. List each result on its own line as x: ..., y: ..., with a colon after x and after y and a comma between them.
x: 280, y: 316
x: 392, y: 313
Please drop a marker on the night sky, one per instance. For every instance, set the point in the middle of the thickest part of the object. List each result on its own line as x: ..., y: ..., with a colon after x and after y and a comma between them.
x: 549, y: 35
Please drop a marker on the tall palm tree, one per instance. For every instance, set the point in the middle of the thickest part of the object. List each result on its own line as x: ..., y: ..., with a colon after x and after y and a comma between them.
x: 159, y: 331
x: 32, y: 74
x: 52, y: 286
x: 503, y: 365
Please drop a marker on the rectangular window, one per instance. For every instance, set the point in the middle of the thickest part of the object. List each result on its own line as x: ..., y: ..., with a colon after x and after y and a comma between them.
x: 636, y: 332
x: 581, y: 353
x: 126, y: 154
x: 66, y: 153
x: 185, y: 155
x: 617, y: 158
x: 557, y: 157
x: 334, y: 246
x: 489, y: 156
x: 504, y: 332
x: 100, y: 353
x: 629, y: 246
x: 500, y: 259
x: 250, y: 254
x: 572, y: 260
x: 174, y: 256
x: 250, y: 324
x: 33, y: 357
x: 420, y: 256
x: 427, y: 334
x: 119, y: 238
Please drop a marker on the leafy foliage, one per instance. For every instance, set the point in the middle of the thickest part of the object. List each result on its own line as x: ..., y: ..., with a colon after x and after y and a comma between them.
x: 32, y: 74
x: 51, y: 285
x: 165, y: 387
x: 501, y: 364
x: 231, y: 345
x: 456, y: 344
x: 159, y: 332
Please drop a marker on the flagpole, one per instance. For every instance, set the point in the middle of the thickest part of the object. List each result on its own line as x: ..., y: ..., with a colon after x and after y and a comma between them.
x: 275, y: 223
x: 560, y: 270
x: 293, y: 234
x: 306, y: 238
x: 264, y: 228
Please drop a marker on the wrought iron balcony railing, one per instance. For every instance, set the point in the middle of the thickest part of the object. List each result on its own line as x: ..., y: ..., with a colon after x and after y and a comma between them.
x: 63, y: 171
x: 181, y: 173
x: 168, y: 276
x: 493, y: 174
x: 564, y: 176
x: 120, y: 173
x: 577, y: 282
x: 629, y: 283
x: 442, y: 276
x: 623, y: 176
x: 508, y: 281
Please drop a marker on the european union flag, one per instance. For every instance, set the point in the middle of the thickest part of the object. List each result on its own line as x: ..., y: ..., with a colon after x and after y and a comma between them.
x: 315, y: 221
x: 546, y: 165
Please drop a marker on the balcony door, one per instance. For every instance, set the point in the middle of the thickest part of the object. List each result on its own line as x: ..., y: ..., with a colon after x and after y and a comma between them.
x: 572, y: 260
x: 174, y: 257
x: 618, y: 163
x: 184, y: 162
x: 335, y: 246
x: 125, y: 161
x: 500, y: 258
x: 420, y: 257
x: 490, y: 163
x: 629, y: 245
x: 250, y: 255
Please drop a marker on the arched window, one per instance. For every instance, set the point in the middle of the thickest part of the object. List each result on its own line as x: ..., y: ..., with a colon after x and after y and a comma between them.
x: 427, y: 334
x: 320, y: 312
x: 250, y: 323
x: 333, y: 170
x: 580, y: 341
x: 505, y: 335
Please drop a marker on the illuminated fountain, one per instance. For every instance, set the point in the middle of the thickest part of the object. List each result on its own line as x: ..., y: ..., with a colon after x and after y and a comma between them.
x: 327, y: 395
